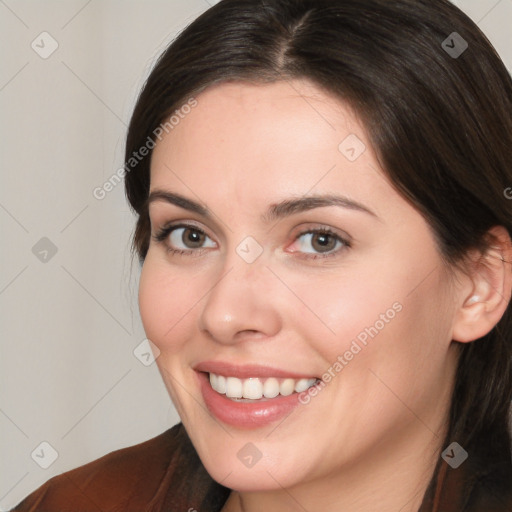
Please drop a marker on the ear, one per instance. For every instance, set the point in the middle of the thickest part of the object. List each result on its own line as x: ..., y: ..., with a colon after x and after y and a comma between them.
x: 486, y: 293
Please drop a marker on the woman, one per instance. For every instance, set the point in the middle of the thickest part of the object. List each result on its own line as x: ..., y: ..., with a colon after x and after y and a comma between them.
x: 324, y: 231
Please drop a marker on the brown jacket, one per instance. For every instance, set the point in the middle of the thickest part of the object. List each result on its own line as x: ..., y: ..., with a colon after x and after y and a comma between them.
x: 165, y: 474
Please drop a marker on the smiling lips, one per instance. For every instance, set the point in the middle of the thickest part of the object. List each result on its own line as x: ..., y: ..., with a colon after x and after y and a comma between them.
x: 255, y: 388
x: 250, y: 396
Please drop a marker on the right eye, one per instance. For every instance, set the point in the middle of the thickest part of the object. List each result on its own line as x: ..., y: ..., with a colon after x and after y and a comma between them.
x: 183, y: 239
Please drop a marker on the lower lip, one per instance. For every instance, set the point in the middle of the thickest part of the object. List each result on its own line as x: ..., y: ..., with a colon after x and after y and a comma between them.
x: 245, y: 414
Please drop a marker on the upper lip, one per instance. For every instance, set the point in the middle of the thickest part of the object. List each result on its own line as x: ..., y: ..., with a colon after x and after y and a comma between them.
x: 247, y: 370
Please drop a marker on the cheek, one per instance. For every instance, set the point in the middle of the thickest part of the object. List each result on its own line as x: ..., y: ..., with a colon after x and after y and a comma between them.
x: 372, y: 321
x: 346, y: 308
x: 165, y: 303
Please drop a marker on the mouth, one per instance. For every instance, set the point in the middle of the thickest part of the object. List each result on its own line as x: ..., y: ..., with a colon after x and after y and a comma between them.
x: 256, y: 389
x: 250, y: 396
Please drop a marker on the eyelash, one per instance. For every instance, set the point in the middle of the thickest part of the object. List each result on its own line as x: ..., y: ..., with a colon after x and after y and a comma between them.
x: 165, y: 231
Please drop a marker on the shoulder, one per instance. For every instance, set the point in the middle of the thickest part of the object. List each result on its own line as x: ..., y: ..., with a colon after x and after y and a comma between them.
x: 133, y: 478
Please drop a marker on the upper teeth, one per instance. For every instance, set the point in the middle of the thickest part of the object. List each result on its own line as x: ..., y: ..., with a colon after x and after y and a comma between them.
x: 254, y: 388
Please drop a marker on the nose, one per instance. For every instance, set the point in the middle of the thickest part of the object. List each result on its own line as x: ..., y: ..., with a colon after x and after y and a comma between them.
x: 240, y: 305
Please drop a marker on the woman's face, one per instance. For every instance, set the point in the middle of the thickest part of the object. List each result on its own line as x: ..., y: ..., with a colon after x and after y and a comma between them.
x: 348, y: 288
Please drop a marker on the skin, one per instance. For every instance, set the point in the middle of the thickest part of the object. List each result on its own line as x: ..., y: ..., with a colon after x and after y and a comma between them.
x: 379, y: 423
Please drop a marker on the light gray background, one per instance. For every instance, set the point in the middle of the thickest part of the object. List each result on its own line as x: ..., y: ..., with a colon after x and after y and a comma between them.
x: 68, y: 374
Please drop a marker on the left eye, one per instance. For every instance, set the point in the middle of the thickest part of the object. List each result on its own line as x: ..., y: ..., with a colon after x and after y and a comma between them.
x: 320, y: 241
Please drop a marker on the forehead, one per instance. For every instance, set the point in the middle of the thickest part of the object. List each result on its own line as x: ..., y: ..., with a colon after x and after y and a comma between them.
x: 258, y: 142
x: 239, y: 117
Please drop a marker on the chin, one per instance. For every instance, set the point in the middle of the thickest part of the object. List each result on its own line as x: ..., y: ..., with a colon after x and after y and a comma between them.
x: 228, y: 467
x: 249, y: 479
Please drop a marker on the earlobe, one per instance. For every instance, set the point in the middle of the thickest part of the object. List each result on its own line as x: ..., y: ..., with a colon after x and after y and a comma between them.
x: 490, y: 288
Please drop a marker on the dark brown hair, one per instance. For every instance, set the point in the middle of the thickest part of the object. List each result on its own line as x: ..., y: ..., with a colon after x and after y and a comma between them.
x: 440, y: 123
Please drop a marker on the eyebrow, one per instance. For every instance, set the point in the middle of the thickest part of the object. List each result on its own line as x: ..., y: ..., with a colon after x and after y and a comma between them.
x: 275, y: 211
